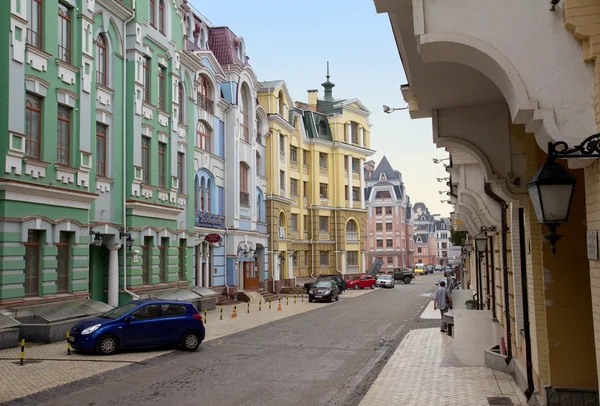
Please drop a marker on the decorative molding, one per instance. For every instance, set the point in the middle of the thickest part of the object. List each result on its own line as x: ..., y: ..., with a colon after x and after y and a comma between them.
x: 153, y: 210
x: 46, y: 195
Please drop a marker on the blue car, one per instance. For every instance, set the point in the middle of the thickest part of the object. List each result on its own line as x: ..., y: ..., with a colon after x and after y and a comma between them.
x: 140, y: 323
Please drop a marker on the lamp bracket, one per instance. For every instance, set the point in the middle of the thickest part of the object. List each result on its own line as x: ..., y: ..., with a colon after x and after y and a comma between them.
x: 589, y: 148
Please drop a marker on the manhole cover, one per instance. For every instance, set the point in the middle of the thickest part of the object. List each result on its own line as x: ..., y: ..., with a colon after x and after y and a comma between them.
x: 500, y: 401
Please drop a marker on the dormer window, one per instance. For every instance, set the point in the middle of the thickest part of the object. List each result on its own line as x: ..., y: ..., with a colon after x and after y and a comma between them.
x: 242, y: 51
x: 322, y: 128
x: 382, y: 177
x: 203, y: 38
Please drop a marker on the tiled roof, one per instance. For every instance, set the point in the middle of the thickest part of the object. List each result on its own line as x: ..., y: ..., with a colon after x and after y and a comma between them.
x: 270, y: 84
x: 311, y: 122
x: 385, y: 167
x: 221, y: 40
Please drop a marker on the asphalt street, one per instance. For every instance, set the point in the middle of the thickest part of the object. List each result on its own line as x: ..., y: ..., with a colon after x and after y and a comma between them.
x: 328, y: 356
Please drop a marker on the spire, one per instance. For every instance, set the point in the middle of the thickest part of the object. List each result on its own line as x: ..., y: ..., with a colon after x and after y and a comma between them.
x: 328, y: 87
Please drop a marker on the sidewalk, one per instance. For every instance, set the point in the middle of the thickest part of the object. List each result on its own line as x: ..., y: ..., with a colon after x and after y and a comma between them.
x: 420, y: 374
x: 48, y: 365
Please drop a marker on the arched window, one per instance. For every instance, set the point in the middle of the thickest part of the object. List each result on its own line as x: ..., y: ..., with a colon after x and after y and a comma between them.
x: 152, y: 13
x: 201, y: 208
x: 161, y: 16
x: 282, y: 225
x: 258, y: 204
x: 322, y: 128
x: 208, y: 188
x: 245, y: 109
x: 205, y: 95
x: 203, y: 136
x: 101, y: 60
x: 241, y: 51
x: 258, y: 164
x: 188, y: 26
x: 351, y: 231
x: 281, y: 103
x: 244, y: 194
x: 181, y: 102
x: 197, y: 193
x: 203, y: 38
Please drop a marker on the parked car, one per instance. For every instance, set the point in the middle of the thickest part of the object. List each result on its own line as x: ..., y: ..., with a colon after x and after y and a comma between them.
x: 419, y: 269
x: 439, y: 268
x: 429, y: 269
x: 140, y: 323
x: 324, y: 290
x: 339, y: 280
x: 405, y: 275
x: 385, y: 281
x: 361, y: 282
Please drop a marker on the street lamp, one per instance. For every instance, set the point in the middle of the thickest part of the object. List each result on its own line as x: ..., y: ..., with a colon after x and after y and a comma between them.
x: 390, y: 110
x: 480, y: 246
x: 128, y: 241
x: 552, y: 187
x: 481, y: 243
x: 437, y: 161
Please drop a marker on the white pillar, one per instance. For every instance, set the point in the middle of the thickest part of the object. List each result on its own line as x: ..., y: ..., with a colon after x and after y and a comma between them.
x: 361, y: 136
x: 363, y: 254
x: 350, y: 181
x: 290, y: 266
x: 343, y: 259
x: 362, y: 183
x: 198, y: 270
x: 113, y: 274
x: 277, y: 181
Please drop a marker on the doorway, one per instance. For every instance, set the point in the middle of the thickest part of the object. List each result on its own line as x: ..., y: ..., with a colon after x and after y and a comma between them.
x: 250, y: 275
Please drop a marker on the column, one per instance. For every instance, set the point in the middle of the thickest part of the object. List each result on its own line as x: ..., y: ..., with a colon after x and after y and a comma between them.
x: 363, y: 254
x: 278, y: 160
x: 348, y: 132
x: 113, y: 274
x: 343, y: 259
x: 290, y: 265
x: 362, y: 183
x: 198, y: 264
x: 350, y: 181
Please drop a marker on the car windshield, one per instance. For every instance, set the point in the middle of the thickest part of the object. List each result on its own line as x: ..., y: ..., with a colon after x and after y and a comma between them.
x: 385, y: 277
x: 323, y: 284
x: 119, y: 311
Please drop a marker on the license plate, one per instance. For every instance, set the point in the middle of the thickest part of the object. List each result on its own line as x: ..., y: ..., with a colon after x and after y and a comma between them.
x: 71, y: 339
x: 318, y: 296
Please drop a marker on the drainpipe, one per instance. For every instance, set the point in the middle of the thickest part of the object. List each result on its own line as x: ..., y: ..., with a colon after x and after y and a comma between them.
x: 493, y: 266
x: 530, y: 386
x: 125, y: 154
x: 478, y: 279
x: 337, y: 253
x: 504, y: 237
x: 487, y: 274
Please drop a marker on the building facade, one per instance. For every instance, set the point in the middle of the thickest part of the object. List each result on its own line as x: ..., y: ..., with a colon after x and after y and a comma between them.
x: 442, y: 239
x: 315, y: 194
x: 537, y: 304
x: 389, y: 233
x: 424, y: 235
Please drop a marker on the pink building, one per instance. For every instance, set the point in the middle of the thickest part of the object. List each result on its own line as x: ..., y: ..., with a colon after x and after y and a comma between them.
x: 389, y: 225
x: 425, y: 241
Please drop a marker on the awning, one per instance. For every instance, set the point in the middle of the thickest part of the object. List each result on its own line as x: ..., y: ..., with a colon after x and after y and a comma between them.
x: 58, y: 311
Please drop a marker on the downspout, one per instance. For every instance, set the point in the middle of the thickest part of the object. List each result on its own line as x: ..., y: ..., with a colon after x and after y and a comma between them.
x: 478, y: 279
x: 225, y: 199
x: 529, y: 364
x: 487, y: 273
x: 312, y: 244
x: 504, y: 236
x: 337, y: 268
x: 125, y: 154
x: 493, y: 266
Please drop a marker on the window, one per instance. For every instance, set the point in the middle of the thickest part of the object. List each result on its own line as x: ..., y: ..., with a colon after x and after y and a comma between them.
x: 419, y: 251
x: 146, y: 69
x: 323, y: 190
x: 305, y: 187
x: 101, y: 131
x: 245, y: 109
x: 34, y: 25
x: 282, y: 144
x: 355, y: 165
x: 63, y: 262
x: 346, y: 192
x: 208, y: 189
x: 162, y: 164
x: 322, y: 128
x: 202, y: 194
x: 352, y: 258
x: 389, y: 243
x: 293, y: 154
x: 390, y: 260
x: 181, y: 102
x: 383, y: 195
x: 258, y: 165
x: 63, y: 142
x: 355, y: 193
x: 203, y: 137
x: 161, y: 16
x: 32, y: 262
x: 146, y: 312
x: 322, y: 160
x: 294, y: 187
x: 180, y: 171
x: 145, y: 160
x: 306, y: 223
x: 182, y: 251
x: 64, y: 33
x: 388, y: 227
x: 163, y: 249
x: 379, y: 227
x: 379, y: 243
x: 444, y: 245
x: 101, y: 60
x: 324, y: 224
x: 205, y: 99
x: 172, y: 310
x: 146, y: 260
x: 244, y: 195
x: 306, y: 158
x: 282, y: 225
x: 33, y: 126
x: 378, y: 210
x: 282, y: 180
x: 388, y: 210
x: 151, y: 12
x: 354, y: 130
x: 162, y: 89
x: 324, y: 258
x: 351, y: 231
x: 294, y: 222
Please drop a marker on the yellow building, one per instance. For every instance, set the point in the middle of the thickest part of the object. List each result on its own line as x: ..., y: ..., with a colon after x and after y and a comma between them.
x: 316, y: 211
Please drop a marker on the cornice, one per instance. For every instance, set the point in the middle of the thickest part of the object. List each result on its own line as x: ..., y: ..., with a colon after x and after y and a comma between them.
x: 117, y: 9
x: 276, y: 118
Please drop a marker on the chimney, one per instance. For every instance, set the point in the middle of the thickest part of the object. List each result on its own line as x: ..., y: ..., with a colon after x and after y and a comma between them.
x: 312, y: 99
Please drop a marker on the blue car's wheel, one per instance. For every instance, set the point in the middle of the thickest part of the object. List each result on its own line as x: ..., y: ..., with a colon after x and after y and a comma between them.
x: 190, y: 341
x: 107, y: 345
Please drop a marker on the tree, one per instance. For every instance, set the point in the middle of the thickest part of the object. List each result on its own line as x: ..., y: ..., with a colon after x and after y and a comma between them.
x: 458, y: 238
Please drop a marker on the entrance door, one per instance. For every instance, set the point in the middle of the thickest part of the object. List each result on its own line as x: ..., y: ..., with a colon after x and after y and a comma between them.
x: 250, y: 275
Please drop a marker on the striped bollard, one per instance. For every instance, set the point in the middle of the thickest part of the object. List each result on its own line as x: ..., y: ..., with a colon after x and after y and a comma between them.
x: 205, y: 316
x: 22, y: 351
x: 68, y: 345
x: 221, y: 317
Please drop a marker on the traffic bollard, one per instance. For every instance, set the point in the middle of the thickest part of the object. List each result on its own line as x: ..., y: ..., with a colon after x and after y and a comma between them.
x: 221, y: 312
x: 294, y: 298
x: 287, y: 299
x: 269, y: 304
x: 259, y: 305
x: 248, y: 306
x: 234, y: 314
x: 22, y: 351
x: 205, y: 316
x: 68, y: 345
x: 302, y: 297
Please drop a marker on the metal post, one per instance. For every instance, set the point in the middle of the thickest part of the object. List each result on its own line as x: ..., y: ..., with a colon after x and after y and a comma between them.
x: 221, y: 317
x: 22, y: 351
x: 68, y: 345
x: 205, y: 315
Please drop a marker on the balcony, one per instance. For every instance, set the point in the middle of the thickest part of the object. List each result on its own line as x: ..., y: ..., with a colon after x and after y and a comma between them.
x: 281, y: 232
x: 209, y: 220
x: 206, y: 104
x: 352, y: 236
x: 245, y: 199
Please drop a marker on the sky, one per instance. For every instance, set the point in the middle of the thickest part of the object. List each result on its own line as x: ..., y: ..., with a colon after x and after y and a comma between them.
x: 293, y: 40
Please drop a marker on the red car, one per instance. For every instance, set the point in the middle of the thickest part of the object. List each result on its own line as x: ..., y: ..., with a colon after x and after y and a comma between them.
x: 361, y: 282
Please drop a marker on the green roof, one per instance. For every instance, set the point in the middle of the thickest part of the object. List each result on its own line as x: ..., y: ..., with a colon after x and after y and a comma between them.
x: 317, y: 125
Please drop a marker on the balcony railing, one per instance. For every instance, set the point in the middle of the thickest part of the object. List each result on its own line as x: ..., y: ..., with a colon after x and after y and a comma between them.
x: 351, y: 236
x: 245, y: 199
x: 206, y: 104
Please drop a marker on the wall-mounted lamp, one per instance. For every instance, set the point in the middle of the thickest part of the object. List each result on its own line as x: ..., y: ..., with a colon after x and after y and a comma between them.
x: 445, y: 201
x: 437, y: 161
x: 444, y: 193
x: 390, y: 110
x: 128, y: 241
x: 443, y: 179
x: 489, y: 230
x: 552, y: 187
x: 97, y: 237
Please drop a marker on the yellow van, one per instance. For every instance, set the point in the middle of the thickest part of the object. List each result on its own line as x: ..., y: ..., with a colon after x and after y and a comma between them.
x: 419, y: 269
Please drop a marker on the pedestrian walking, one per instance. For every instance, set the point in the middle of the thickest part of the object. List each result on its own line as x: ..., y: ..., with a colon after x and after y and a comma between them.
x: 443, y: 301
